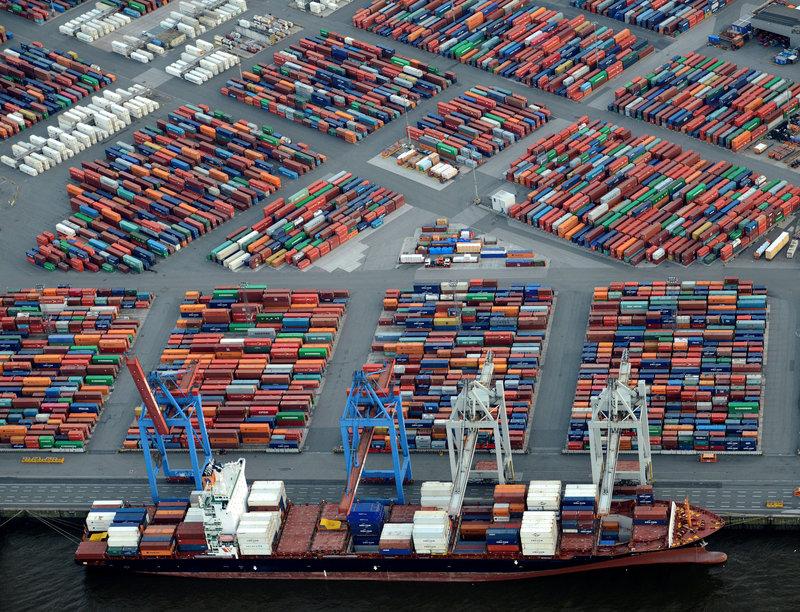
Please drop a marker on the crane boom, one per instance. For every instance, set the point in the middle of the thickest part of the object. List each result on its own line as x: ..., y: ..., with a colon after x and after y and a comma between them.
x: 146, y: 393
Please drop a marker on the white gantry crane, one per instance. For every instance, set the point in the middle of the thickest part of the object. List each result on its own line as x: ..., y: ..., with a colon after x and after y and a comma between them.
x: 617, y: 410
x: 471, y: 413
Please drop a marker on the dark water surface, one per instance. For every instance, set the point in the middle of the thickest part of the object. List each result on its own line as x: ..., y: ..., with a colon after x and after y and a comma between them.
x: 762, y: 573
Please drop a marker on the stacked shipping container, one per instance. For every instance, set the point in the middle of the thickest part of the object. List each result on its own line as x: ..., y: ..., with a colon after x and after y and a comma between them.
x: 180, y: 179
x: 338, y: 85
x: 38, y: 10
x: 309, y: 224
x: 710, y: 99
x: 439, y: 334
x: 36, y: 83
x: 261, y: 356
x: 698, y: 345
x: 598, y: 186
x: 478, y: 124
x: 528, y: 43
x: 60, y: 352
x: 663, y: 16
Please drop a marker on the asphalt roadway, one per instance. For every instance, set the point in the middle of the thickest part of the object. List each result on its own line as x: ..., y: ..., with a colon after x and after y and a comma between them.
x: 736, y: 484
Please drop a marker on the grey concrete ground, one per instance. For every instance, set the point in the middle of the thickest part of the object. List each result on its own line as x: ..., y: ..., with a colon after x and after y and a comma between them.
x: 30, y: 205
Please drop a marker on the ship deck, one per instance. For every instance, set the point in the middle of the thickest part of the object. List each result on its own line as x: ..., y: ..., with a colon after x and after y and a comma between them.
x: 735, y: 486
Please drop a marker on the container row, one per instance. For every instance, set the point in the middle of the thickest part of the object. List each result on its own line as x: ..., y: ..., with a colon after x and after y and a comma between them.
x: 38, y: 11
x: 478, y: 124
x: 669, y: 17
x: 107, y: 16
x: 338, y: 85
x: 532, y: 44
x: 438, y: 334
x: 597, y: 185
x: 36, y: 83
x: 698, y: 346
x: 710, y: 99
x: 260, y: 357
x: 309, y: 224
x: 181, y: 178
x: 60, y: 353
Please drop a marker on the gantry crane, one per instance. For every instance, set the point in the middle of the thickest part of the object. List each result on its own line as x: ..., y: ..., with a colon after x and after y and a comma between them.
x: 372, y: 402
x: 176, y: 392
x: 478, y: 406
x: 619, y: 408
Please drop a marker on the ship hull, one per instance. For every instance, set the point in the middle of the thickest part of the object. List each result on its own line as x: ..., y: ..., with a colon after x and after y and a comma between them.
x: 405, y: 569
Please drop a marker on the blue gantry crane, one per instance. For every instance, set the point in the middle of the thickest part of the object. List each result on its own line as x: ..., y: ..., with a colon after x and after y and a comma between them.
x: 373, y: 402
x: 175, y: 391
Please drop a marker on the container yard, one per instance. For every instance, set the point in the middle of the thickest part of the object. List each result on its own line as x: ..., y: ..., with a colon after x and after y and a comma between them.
x: 531, y: 44
x: 439, y: 332
x: 309, y: 224
x: 60, y: 353
x: 330, y: 73
x: 699, y: 346
x: 108, y: 16
x: 670, y: 18
x: 251, y: 36
x: 38, y: 83
x: 661, y: 202
x: 710, y: 99
x: 442, y: 245
x: 38, y: 11
x: 187, y: 175
x: 723, y: 433
x: 260, y: 356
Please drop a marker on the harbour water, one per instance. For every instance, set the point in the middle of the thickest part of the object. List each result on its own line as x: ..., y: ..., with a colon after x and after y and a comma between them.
x: 37, y: 571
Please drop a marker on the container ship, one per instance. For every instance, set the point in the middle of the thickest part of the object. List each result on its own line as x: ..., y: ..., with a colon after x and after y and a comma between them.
x: 232, y: 530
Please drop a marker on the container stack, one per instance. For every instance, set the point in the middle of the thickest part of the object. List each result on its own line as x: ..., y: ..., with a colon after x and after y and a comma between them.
x: 157, y: 541
x: 431, y: 532
x: 180, y: 179
x: 699, y: 347
x: 650, y: 523
x: 396, y: 539
x: 502, y: 540
x: 539, y: 533
x: 267, y: 496
x: 201, y: 61
x: 107, y: 16
x: 261, y: 355
x: 544, y: 495
x: 123, y: 541
x: 338, y: 85
x: 436, y: 494
x: 438, y: 335
x: 366, y: 521
x: 577, y: 509
x: 512, y: 38
x: 309, y: 224
x: 645, y: 198
x: 79, y: 128
x: 256, y: 533
x: 299, y: 529
x: 475, y: 126
x: 40, y: 83
x: 38, y: 11
x: 709, y: 99
x: 60, y: 353
x: 509, y: 503
x: 190, y: 536
x: 669, y: 18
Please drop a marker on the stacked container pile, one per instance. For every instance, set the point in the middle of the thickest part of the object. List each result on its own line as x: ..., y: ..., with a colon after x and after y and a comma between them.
x: 60, y: 353
x: 366, y: 521
x: 650, y: 524
x: 256, y: 533
x: 710, y: 99
x: 190, y: 535
x: 309, y: 224
x: 36, y: 83
x: 113, y: 529
x: 597, y: 185
x: 431, y: 532
x: 699, y: 346
x: 477, y: 125
x: 396, y: 539
x: 267, y: 496
x: 261, y: 356
x: 465, y: 246
x: 38, y: 11
x: 539, y: 533
x: 513, y: 38
x: 435, y: 494
x: 439, y: 334
x: 338, y: 85
x: 182, y: 178
x: 201, y: 61
x: 107, y: 16
x: 79, y: 128
x: 662, y: 16
x: 578, y: 517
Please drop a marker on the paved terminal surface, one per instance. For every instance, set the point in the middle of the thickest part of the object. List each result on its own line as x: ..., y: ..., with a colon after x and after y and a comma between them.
x: 736, y: 484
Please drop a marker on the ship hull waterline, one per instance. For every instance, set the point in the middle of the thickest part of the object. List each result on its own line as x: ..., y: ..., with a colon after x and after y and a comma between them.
x: 449, y: 569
